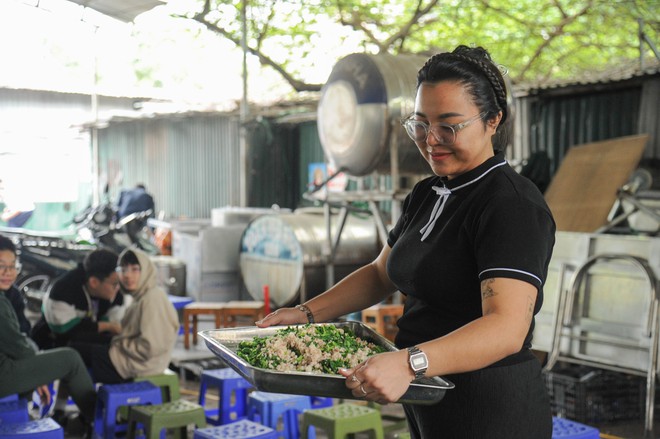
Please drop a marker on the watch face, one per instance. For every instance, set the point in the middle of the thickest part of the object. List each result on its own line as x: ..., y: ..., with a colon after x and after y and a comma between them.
x: 418, y: 361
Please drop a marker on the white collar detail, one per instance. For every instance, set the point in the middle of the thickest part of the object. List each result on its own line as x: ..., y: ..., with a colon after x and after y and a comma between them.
x: 444, y: 194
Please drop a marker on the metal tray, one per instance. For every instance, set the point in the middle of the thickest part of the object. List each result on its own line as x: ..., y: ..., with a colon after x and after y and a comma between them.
x: 224, y: 344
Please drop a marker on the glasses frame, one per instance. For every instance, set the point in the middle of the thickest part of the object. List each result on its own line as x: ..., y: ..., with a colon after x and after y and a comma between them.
x: 429, y: 128
x: 9, y: 268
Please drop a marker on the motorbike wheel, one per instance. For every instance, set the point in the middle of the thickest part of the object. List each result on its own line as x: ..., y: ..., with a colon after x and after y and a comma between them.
x: 34, y: 288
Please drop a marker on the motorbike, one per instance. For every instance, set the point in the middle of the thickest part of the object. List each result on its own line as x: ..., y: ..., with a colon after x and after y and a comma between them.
x: 45, y: 256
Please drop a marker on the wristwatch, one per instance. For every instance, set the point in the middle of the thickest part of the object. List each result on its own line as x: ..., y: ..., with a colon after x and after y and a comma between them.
x: 418, y: 361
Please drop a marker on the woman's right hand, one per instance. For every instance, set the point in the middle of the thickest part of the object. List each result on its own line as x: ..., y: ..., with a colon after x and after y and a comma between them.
x: 283, y: 316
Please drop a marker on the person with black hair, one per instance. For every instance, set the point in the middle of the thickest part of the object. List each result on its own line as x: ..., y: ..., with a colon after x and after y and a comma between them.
x: 470, y: 252
x: 149, y: 327
x: 84, y: 304
x: 22, y: 368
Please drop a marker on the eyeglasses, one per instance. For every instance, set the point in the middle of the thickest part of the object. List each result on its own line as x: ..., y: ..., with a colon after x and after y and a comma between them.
x: 11, y: 268
x: 444, y: 133
x: 126, y: 270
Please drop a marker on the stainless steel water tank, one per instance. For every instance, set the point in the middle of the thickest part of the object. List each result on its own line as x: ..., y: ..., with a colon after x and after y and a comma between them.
x: 286, y: 252
x: 361, y: 106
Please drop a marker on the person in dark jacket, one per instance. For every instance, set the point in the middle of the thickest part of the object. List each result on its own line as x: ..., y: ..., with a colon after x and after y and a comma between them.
x: 22, y: 369
x: 83, y: 305
x: 16, y: 299
x: 134, y: 200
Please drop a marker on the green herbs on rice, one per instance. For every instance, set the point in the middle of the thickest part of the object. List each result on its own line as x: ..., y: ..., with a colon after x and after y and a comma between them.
x: 307, y: 348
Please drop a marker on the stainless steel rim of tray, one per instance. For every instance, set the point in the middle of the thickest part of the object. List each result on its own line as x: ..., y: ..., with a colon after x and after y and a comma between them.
x: 224, y: 344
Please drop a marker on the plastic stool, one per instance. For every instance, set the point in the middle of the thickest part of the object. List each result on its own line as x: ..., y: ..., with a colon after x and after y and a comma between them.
x: 176, y: 414
x: 14, y: 411
x: 112, y: 396
x: 12, y: 397
x: 278, y: 411
x: 232, y: 394
x: 343, y: 419
x: 44, y: 428
x: 168, y: 382
x: 319, y: 402
x: 243, y: 429
x: 565, y: 429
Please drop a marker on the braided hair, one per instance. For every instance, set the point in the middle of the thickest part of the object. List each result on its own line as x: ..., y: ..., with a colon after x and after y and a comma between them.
x: 474, y: 68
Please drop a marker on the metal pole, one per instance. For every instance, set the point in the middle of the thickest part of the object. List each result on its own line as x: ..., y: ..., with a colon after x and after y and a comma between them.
x: 243, y: 169
x: 95, y: 132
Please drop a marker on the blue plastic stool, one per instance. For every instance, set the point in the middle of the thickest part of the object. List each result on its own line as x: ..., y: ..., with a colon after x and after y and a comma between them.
x: 319, y: 402
x: 232, y: 393
x: 12, y: 397
x: 14, y: 411
x: 112, y: 396
x: 44, y: 428
x: 278, y: 411
x: 242, y: 429
x: 565, y: 429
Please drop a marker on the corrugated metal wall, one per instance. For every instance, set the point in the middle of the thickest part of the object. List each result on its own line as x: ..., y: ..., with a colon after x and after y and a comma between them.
x: 557, y: 123
x: 188, y: 163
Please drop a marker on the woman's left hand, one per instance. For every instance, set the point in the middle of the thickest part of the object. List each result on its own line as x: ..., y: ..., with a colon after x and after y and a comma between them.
x: 383, y: 378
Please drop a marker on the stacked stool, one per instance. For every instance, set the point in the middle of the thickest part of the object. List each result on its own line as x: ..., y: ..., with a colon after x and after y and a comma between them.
x: 170, y: 415
x: 243, y: 429
x: 382, y: 318
x: 278, y: 411
x: 112, y: 396
x: 44, y: 428
x: 565, y: 429
x: 14, y: 411
x: 342, y: 419
x: 232, y: 394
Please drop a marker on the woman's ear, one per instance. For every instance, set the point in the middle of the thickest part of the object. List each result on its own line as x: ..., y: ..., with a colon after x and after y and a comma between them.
x: 495, y: 121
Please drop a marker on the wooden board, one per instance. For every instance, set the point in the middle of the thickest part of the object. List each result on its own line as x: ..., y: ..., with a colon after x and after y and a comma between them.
x: 584, y: 189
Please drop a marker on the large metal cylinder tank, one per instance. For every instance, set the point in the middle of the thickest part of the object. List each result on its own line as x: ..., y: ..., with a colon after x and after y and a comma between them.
x: 286, y: 252
x: 361, y: 105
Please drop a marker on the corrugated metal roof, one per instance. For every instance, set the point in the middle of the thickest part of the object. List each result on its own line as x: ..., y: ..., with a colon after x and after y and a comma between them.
x: 621, y: 73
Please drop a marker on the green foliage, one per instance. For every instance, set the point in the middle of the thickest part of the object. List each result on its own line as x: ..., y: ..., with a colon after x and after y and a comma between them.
x: 537, y: 40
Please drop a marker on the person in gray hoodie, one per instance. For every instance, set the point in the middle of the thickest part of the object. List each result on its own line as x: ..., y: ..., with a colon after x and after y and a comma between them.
x: 149, y: 327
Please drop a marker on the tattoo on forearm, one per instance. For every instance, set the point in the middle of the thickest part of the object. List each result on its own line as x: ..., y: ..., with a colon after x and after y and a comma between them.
x: 487, y: 290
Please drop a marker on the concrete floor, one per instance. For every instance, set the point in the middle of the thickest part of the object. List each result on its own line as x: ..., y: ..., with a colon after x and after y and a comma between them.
x: 187, y: 363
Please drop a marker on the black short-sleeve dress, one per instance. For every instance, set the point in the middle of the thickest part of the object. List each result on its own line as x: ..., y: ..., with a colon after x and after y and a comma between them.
x: 452, y: 234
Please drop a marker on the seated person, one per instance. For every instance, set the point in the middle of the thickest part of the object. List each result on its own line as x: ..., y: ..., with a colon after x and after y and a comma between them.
x: 22, y: 369
x: 149, y: 327
x: 83, y: 304
x: 16, y: 299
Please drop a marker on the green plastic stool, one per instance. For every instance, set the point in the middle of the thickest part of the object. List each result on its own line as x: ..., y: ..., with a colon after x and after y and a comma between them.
x: 343, y: 419
x: 176, y: 414
x: 168, y: 382
x: 394, y: 423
